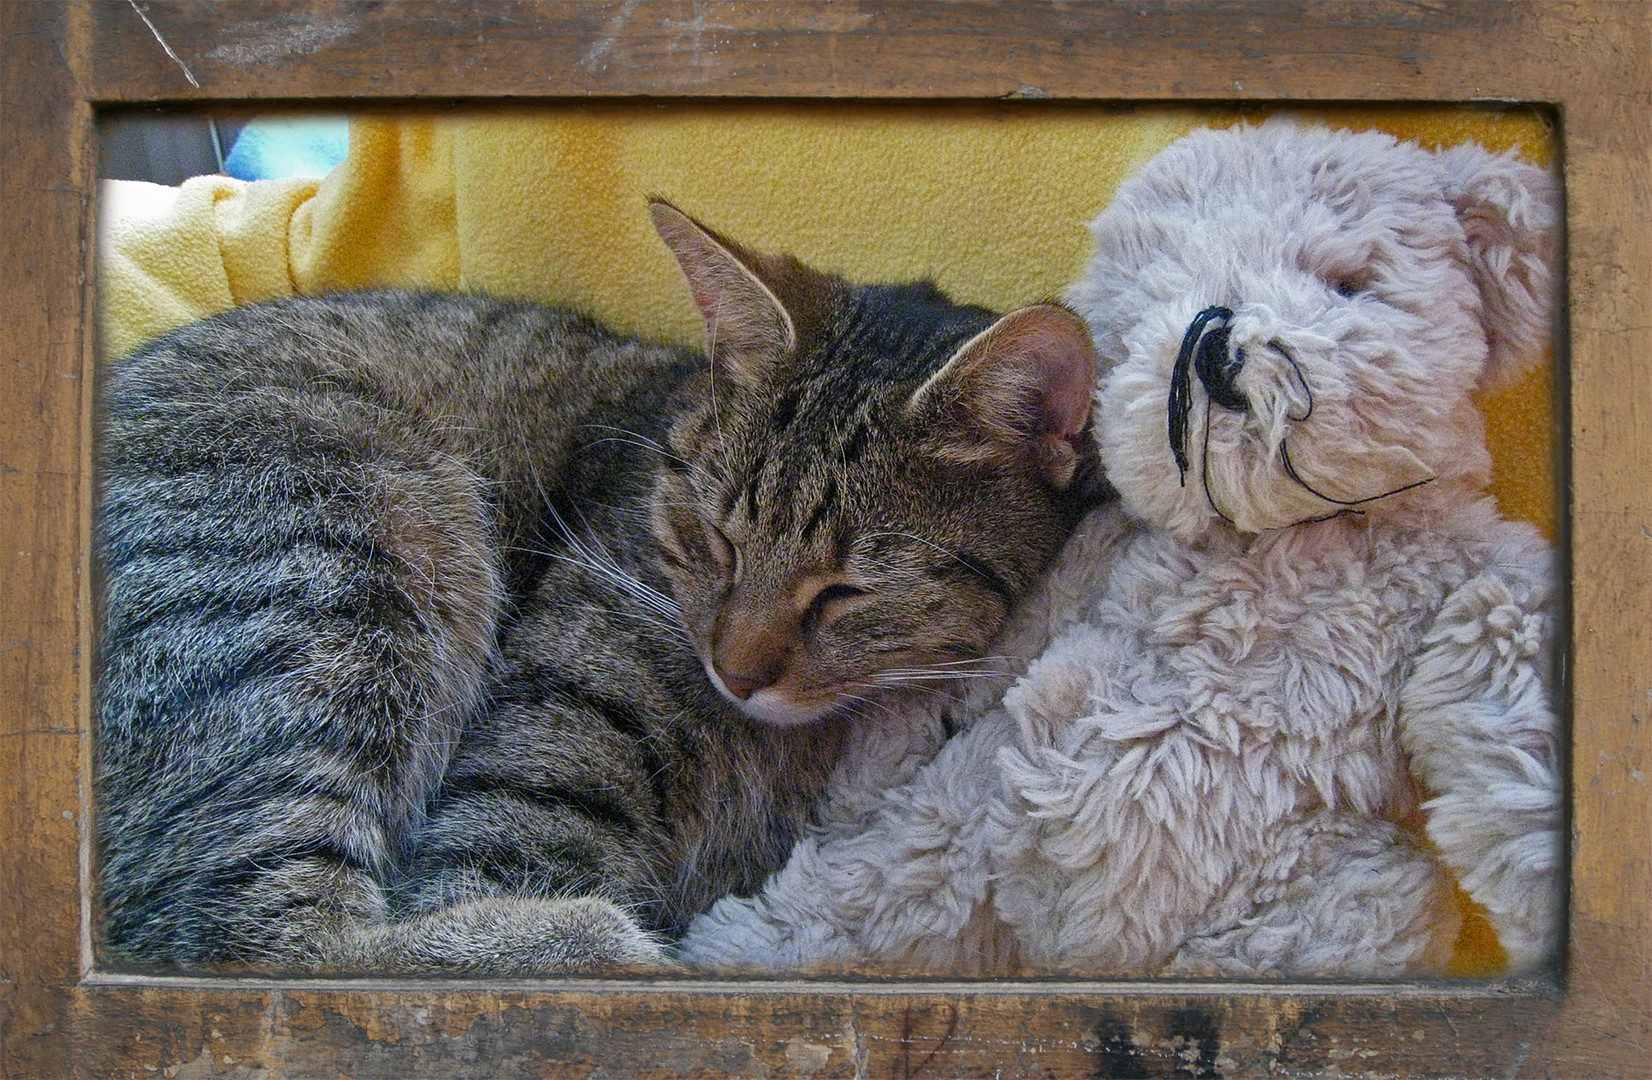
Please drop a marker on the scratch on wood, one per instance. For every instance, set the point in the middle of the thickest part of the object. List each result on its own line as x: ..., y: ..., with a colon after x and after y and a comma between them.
x: 696, y: 30
x: 909, y: 1035
x: 859, y: 1051
x: 164, y: 45
x: 276, y: 40
x: 604, y: 45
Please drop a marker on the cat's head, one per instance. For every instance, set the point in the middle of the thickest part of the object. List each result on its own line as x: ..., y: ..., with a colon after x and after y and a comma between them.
x: 870, y: 478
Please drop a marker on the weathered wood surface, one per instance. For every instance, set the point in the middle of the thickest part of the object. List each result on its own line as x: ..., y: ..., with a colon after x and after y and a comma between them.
x: 45, y: 221
x: 58, y: 60
x: 792, y: 1030
x: 1150, y: 49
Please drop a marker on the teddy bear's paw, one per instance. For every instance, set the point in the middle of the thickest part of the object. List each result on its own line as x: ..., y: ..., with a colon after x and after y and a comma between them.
x: 906, y: 890
x: 1504, y: 844
x: 806, y: 917
x: 1492, y: 634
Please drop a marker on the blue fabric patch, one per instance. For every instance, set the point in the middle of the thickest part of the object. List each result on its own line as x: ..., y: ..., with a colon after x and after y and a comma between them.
x: 274, y: 148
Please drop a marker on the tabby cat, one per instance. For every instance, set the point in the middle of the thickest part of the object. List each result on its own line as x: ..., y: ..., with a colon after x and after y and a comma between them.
x: 447, y: 633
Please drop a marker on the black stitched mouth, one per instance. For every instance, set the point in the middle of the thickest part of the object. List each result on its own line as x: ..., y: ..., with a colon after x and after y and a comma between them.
x: 1205, y: 351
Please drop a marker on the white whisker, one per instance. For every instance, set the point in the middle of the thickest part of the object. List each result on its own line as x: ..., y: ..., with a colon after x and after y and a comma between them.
x: 628, y: 437
x: 971, y: 567
x: 892, y: 678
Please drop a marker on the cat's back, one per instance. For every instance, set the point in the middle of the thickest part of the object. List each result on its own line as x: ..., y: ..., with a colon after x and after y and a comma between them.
x: 470, y: 360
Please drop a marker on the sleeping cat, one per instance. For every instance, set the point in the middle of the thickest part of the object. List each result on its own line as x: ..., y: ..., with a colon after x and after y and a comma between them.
x: 446, y: 633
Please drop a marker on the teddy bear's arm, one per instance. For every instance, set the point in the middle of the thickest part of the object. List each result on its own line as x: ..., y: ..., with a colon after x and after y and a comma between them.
x: 1478, y: 721
x: 906, y: 889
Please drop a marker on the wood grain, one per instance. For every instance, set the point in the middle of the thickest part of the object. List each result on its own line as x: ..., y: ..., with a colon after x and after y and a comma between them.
x: 826, y: 48
x: 60, y: 61
x: 832, y: 1030
x: 45, y: 186
x: 1609, y: 193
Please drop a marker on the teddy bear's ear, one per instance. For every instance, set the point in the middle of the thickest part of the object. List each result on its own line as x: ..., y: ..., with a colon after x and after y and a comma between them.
x: 1510, y: 211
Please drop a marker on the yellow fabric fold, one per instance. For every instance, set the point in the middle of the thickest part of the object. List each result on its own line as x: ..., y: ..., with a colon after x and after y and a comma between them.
x: 168, y: 256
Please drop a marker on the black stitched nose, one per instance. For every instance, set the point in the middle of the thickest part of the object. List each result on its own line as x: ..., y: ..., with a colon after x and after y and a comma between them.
x: 1205, y: 350
x: 1216, y: 366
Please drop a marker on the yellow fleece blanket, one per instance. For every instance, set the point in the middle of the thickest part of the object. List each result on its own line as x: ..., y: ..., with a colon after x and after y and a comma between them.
x: 549, y: 204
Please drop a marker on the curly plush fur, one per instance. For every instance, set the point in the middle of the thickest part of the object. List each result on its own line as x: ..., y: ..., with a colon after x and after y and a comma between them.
x: 1247, y: 673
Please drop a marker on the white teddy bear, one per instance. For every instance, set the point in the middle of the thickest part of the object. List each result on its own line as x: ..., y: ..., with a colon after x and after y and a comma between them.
x: 1302, y: 621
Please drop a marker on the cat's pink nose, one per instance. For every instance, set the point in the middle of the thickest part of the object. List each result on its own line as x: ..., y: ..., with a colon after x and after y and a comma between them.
x: 741, y: 688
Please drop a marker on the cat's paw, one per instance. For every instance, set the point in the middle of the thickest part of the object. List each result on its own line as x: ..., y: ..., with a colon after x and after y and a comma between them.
x: 517, y: 936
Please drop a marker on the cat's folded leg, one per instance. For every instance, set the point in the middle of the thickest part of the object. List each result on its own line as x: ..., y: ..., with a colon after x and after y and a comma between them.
x: 506, y: 935
x: 543, y: 851
x: 294, y: 630
x: 320, y: 915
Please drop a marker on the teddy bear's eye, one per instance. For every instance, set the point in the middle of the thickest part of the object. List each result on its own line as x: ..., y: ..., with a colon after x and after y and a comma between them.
x: 1352, y: 283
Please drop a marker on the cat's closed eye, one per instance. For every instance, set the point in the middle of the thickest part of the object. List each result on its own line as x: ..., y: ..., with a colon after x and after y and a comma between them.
x: 829, y: 602
x: 723, y: 551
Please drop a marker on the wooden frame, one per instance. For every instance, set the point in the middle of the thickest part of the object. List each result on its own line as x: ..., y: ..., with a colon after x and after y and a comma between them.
x: 61, y: 61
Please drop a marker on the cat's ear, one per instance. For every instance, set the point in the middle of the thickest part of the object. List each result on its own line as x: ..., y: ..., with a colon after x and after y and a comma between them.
x: 1021, y: 386
x: 747, y: 327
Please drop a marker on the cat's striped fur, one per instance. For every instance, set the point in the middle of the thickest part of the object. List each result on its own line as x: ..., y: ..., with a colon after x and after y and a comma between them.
x: 449, y: 633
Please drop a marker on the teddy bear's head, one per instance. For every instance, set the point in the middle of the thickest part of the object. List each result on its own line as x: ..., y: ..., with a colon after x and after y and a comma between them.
x: 1291, y: 320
